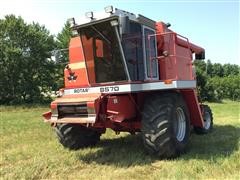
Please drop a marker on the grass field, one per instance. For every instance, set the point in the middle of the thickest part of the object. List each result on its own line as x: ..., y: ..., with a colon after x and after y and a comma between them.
x: 30, y: 150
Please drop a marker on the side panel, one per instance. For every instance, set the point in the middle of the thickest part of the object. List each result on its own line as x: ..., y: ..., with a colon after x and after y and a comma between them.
x: 76, y: 74
x: 184, y: 63
x: 175, y: 54
x: 75, y: 50
x: 120, y: 108
x: 190, y: 96
x: 167, y: 65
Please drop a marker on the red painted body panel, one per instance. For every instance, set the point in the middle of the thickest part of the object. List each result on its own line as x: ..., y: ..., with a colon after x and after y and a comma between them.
x: 75, y: 50
x: 120, y: 108
x: 77, y: 65
x: 178, y: 64
x: 190, y: 97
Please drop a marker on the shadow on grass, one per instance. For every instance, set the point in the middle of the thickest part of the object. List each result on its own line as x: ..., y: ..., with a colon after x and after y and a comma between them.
x: 129, y: 151
x: 122, y: 152
x: 221, y: 142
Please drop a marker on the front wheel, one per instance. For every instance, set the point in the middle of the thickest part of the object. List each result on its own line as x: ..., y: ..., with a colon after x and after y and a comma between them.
x: 165, y: 125
x: 75, y: 136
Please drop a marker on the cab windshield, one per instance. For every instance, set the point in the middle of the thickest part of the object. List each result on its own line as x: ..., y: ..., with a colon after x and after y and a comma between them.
x: 102, y: 53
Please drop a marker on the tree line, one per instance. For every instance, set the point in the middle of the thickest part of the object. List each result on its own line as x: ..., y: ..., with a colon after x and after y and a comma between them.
x: 216, y: 81
x: 29, y: 75
x: 27, y: 72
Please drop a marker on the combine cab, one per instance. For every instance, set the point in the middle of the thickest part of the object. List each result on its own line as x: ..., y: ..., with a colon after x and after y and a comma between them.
x: 131, y: 74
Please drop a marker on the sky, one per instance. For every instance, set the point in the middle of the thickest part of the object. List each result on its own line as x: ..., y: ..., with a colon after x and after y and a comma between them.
x: 211, y: 24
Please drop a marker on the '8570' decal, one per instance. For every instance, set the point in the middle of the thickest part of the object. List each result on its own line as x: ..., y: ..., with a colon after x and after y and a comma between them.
x: 93, y: 89
x: 109, y: 89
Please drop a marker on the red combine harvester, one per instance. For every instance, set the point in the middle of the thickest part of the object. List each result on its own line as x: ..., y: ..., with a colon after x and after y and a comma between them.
x: 131, y: 74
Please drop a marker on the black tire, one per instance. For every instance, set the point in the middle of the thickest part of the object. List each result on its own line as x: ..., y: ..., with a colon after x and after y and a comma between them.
x: 74, y: 136
x: 159, y: 125
x: 208, y: 121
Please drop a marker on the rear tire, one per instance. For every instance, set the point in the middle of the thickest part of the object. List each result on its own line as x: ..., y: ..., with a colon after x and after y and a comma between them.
x: 208, y: 121
x: 74, y: 136
x: 165, y: 125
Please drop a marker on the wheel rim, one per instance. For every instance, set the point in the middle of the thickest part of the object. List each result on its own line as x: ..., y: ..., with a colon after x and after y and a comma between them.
x: 207, y: 120
x: 180, y: 126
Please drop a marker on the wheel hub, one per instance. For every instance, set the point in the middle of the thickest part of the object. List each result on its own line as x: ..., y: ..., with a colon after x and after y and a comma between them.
x: 207, y: 120
x: 180, y: 124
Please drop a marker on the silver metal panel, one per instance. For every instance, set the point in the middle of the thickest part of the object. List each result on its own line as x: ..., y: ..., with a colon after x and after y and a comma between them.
x: 126, y: 88
x: 146, y: 21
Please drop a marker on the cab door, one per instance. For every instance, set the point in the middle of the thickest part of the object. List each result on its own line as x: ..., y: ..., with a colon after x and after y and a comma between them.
x: 150, y: 54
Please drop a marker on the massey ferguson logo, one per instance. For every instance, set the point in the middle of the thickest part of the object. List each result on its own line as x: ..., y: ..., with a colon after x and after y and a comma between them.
x: 72, y: 76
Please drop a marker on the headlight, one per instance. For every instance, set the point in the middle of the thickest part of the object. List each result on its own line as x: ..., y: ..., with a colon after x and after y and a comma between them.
x: 114, y: 23
x: 71, y: 21
x: 74, y: 32
x: 60, y: 93
x: 89, y: 14
x: 108, y: 9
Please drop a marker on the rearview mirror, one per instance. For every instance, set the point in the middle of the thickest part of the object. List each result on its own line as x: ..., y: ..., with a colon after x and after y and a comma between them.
x: 200, y: 56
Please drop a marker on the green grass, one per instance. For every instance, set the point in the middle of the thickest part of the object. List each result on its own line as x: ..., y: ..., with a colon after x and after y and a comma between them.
x: 30, y: 150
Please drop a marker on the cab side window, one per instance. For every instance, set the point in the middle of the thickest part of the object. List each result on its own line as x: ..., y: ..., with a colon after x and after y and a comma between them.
x: 150, y: 53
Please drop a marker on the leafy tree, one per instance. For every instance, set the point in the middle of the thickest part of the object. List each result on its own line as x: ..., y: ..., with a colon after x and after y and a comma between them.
x: 27, y: 73
x: 230, y: 69
x: 225, y: 87
x: 201, y: 78
x: 62, y: 42
x: 216, y: 81
x: 209, y: 67
x: 217, y: 70
x: 62, y: 57
x: 200, y: 65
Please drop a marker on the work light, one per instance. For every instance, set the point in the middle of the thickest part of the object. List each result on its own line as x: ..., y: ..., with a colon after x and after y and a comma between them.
x: 89, y: 14
x: 74, y: 32
x: 71, y: 21
x: 108, y: 9
x: 114, y: 23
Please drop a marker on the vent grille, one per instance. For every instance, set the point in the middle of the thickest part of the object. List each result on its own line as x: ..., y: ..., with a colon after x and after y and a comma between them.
x: 72, y: 110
